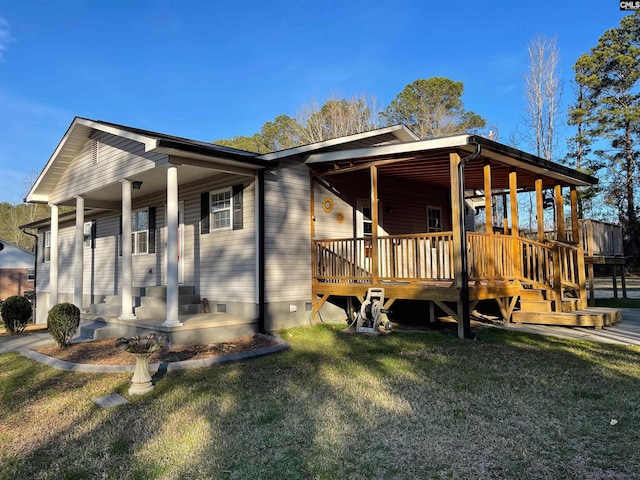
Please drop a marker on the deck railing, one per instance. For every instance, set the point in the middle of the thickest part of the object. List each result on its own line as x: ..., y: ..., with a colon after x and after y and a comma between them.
x: 552, y: 265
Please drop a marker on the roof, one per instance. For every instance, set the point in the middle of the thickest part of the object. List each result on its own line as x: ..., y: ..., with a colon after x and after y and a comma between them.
x: 380, y: 136
x: 6, y: 242
x: 81, y: 129
x: 435, y: 152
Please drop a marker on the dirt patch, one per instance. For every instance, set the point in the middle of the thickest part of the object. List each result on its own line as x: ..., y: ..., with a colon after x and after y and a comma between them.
x: 31, y: 328
x: 105, y: 352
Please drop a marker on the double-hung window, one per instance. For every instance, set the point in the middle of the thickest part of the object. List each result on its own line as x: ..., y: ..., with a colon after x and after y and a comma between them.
x: 434, y: 219
x: 47, y: 246
x: 140, y: 231
x: 221, y: 211
x: 87, y: 234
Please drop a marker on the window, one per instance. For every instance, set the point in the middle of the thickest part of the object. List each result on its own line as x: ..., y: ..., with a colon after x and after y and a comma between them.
x: 87, y: 234
x: 140, y: 232
x: 221, y: 213
x: 434, y: 219
x: 31, y: 274
x: 47, y: 246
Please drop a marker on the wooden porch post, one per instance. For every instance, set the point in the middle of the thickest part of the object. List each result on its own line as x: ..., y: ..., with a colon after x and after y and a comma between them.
x: 562, y: 237
x: 513, y: 197
x: 488, y: 213
x: 454, y: 161
x: 577, y: 238
x: 516, y: 258
x: 489, y: 222
x: 540, y: 210
x: 374, y: 222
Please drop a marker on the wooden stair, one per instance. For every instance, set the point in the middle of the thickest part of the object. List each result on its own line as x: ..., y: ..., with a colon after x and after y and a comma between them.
x: 536, y: 309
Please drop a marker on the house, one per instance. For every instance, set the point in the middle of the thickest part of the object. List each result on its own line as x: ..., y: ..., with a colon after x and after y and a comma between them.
x: 206, y: 242
x: 16, y: 270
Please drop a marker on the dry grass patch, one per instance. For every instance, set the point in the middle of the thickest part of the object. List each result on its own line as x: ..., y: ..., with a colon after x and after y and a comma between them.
x: 508, y: 405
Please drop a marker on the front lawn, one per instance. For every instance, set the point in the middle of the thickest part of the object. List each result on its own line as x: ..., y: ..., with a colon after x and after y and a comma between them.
x: 507, y: 406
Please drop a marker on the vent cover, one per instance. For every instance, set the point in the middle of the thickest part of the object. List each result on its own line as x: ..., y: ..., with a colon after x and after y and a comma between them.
x: 95, y: 151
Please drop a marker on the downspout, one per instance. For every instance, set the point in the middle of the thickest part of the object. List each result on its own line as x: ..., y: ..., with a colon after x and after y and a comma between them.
x: 35, y: 265
x: 464, y: 294
x: 260, y: 253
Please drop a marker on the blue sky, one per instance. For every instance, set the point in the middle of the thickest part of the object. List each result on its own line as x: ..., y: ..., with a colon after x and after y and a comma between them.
x: 215, y: 69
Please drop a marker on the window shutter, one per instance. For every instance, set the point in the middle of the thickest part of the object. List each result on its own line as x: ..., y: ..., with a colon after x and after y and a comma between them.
x: 94, y: 232
x: 120, y: 237
x: 44, y: 246
x: 204, y: 212
x: 237, y: 206
x: 152, y: 229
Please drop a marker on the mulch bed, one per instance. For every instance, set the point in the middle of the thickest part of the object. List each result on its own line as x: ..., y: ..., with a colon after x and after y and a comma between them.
x: 105, y: 352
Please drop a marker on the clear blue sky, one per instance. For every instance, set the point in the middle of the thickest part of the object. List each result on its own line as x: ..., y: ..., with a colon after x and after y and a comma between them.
x: 215, y: 69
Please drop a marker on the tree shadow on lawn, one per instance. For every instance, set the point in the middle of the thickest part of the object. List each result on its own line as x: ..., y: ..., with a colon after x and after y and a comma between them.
x: 348, y: 406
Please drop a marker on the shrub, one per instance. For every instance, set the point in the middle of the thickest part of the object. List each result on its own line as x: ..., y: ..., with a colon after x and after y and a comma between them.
x: 63, y: 321
x: 16, y: 312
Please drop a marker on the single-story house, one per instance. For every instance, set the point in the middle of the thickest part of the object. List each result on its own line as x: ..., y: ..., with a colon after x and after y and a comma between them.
x: 189, y: 237
x: 17, y: 271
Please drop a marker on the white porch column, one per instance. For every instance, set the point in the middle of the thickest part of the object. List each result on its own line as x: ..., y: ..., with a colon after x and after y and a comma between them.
x: 172, y: 248
x: 53, y: 258
x: 79, y: 253
x: 127, y: 265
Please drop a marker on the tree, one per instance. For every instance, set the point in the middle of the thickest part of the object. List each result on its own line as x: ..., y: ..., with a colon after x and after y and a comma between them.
x: 432, y: 108
x: 542, y: 92
x: 336, y: 118
x: 610, y: 74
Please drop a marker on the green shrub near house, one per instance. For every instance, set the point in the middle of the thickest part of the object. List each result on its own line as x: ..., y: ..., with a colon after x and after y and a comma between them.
x: 16, y: 312
x: 63, y: 321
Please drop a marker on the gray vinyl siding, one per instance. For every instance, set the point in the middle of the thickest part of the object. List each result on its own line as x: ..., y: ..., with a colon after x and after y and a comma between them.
x: 287, y: 234
x: 221, y: 263
x: 327, y: 224
x: 118, y: 158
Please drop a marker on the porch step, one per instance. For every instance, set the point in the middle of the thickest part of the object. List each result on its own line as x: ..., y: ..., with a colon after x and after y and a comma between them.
x: 150, y: 313
x: 535, y: 305
x: 569, y: 304
x: 161, y: 291
x: 106, y: 309
x: 531, y: 294
x: 591, y: 317
x: 162, y: 301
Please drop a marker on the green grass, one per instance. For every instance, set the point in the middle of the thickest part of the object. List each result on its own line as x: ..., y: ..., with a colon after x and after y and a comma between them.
x: 618, y: 302
x: 334, y: 406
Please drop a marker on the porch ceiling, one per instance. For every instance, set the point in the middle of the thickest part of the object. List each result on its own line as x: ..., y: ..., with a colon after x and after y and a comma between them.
x: 432, y: 168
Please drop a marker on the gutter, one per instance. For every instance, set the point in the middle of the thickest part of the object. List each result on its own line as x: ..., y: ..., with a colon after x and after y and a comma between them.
x: 260, y: 253
x: 465, y: 321
x: 35, y: 265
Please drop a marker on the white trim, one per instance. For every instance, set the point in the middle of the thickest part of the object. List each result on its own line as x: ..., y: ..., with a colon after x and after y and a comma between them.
x: 409, y: 147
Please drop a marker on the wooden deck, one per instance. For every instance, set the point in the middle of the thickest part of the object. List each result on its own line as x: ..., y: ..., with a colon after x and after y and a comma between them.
x: 503, y: 268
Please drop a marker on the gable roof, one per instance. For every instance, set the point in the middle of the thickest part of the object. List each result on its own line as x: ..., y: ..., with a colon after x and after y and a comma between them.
x: 380, y: 136
x: 82, y: 129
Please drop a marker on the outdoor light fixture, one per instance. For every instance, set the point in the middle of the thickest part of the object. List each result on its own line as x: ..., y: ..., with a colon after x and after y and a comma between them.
x: 136, y: 185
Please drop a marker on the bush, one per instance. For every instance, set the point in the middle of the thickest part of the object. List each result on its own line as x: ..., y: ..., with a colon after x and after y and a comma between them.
x: 16, y: 312
x: 63, y: 321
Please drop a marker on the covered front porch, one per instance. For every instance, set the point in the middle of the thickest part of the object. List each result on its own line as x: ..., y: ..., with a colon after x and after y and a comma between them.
x: 538, y: 280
